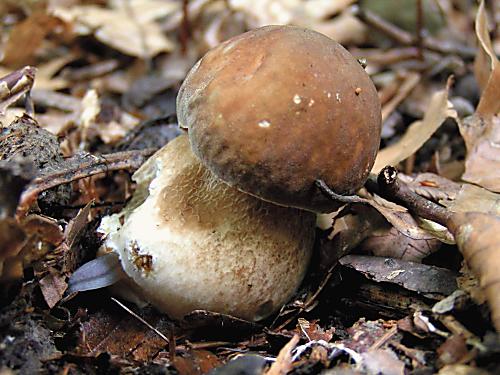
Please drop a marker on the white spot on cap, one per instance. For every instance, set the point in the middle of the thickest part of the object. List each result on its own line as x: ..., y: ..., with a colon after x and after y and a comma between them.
x: 264, y: 124
x: 337, y: 95
x: 297, y: 99
x: 329, y: 95
x: 311, y: 102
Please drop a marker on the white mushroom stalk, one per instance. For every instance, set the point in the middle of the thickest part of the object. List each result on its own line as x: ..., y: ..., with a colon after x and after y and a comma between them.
x: 189, y: 241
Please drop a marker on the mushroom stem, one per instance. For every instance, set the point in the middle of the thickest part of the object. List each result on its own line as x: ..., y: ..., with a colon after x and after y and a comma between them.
x: 189, y: 241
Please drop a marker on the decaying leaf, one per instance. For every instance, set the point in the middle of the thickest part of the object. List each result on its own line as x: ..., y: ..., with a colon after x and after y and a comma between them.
x: 53, y: 287
x: 481, y: 131
x: 472, y: 198
x: 389, y: 242
x: 425, y: 279
x: 478, y: 236
x: 129, y: 26
x: 486, y: 60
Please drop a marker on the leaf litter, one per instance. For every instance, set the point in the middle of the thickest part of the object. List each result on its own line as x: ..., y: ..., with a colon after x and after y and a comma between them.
x: 102, y: 76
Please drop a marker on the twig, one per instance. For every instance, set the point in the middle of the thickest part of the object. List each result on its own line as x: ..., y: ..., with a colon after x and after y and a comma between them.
x: 141, y: 320
x: 405, y: 38
x: 185, y: 29
x: 394, y: 188
x: 328, y: 192
x: 419, y: 29
x: 127, y: 160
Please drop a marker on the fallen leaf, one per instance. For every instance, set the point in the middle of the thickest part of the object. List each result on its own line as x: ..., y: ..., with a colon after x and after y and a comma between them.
x: 452, y: 350
x: 53, y: 287
x: 420, y: 131
x: 196, y: 362
x: 129, y: 27
x: 422, y: 278
x: 478, y: 235
x: 486, y: 59
x: 481, y: 131
x: 389, y: 242
x: 473, y: 198
x: 29, y: 34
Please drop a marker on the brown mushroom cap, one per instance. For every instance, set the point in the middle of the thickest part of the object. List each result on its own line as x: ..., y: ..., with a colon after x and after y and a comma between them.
x: 272, y: 110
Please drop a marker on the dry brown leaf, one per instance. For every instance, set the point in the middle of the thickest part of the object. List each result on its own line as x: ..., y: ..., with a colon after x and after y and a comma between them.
x: 481, y: 131
x: 486, y: 59
x: 283, y: 364
x: 29, y: 34
x: 122, y: 335
x: 389, y: 242
x: 477, y: 236
x: 129, y: 26
x: 473, y: 198
x: 430, y: 281
x: 53, y: 287
x: 418, y: 133
x: 406, y: 224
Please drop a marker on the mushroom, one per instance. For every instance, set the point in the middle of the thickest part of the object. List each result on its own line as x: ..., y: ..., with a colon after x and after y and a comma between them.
x: 277, y: 108
x: 190, y: 241
x: 223, y: 221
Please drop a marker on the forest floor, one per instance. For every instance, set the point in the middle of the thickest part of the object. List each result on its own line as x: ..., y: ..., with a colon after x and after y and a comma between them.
x: 402, y: 281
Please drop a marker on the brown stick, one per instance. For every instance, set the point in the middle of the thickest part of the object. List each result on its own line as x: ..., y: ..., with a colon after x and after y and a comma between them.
x: 127, y: 160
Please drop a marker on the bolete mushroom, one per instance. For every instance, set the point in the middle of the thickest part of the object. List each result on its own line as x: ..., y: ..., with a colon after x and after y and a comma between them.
x: 190, y: 241
x: 268, y: 113
x: 277, y: 108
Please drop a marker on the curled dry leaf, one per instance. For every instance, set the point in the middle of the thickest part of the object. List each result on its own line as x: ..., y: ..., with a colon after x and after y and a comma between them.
x: 486, y: 60
x: 420, y: 131
x: 477, y: 236
x: 389, y: 242
x: 421, y: 278
x: 406, y: 223
x: 481, y: 131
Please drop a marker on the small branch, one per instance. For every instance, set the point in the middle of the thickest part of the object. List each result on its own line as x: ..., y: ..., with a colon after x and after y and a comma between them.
x: 419, y: 29
x: 185, y: 29
x: 404, y: 38
x: 328, y: 192
x: 141, y: 320
x: 127, y: 160
x: 395, y: 189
